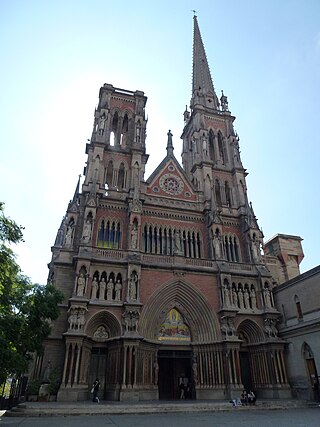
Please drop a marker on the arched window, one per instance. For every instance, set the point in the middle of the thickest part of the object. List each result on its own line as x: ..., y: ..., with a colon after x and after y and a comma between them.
x: 114, y: 129
x: 217, y: 192
x: 298, y: 307
x: 211, y: 145
x: 220, y: 146
x: 124, y: 133
x: 109, y: 235
x: 121, y: 177
x: 228, y: 193
x: 109, y: 174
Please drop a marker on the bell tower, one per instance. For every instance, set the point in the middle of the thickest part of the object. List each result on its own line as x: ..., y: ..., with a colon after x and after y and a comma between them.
x: 211, y: 159
x: 116, y: 152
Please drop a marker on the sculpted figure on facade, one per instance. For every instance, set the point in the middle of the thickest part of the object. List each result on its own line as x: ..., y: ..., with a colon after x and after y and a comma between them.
x: 102, y: 289
x: 217, y: 245
x: 130, y: 320
x: 253, y: 298
x: 267, y: 298
x: 255, y: 248
x: 270, y: 328
x: 110, y: 286
x: 134, y: 236
x: 86, y: 235
x: 101, y: 124
x: 156, y: 372
x: 69, y: 235
x: 246, y: 298
x: 177, y: 241
x: 81, y: 285
x: 240, y: 299
x: 76, y: 318
x: 94, y: 288
x: 195, y: 371
x: 234, y: 297
x: 133, y: 286
x: 118, y: 288
x: 226, y: 295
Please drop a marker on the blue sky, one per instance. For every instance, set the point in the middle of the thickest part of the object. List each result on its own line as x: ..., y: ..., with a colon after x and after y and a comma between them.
x: 56, y: 55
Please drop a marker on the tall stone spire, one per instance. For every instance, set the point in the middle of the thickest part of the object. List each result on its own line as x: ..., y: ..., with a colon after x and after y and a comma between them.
x: 203, y: 92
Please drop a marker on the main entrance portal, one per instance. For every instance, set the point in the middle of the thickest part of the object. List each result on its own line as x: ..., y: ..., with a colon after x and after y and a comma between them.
x: 174, y: 369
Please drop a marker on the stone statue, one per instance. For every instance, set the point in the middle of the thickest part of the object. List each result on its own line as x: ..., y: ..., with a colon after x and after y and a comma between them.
x: 195, y: 371
x: 156, y: 372
x: 86, y: 231
x: 81, y: 285
x: 234, y: 297
x: 240, y: 298
x: 253, y: 298
x: 102, y: 289
x: 134, y: 236
x: 217, y: 246
x: 118, y: 288
x: 267, y: 299
x: 46, y: 374
x: 226, y: 295
x: 94, y: 290
x: 246, y: 299
x: 68, y: 240
x: 110, y: 287
x: 177, y: 241
x: 133, y: 282
x: 101, y: 124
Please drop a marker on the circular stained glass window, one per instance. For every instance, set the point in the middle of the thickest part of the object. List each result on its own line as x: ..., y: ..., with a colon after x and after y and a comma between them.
x: 171, y: 184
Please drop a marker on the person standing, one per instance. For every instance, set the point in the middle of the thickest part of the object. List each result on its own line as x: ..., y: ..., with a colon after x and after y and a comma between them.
x: 95, y: 388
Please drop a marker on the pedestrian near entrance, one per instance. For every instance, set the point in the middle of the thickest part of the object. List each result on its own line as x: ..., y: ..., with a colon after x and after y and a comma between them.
x: 182, y: 390
x: 95, y: 390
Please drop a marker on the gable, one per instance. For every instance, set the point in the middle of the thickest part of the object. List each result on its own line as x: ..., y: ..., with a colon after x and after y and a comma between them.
x: 170, y: 182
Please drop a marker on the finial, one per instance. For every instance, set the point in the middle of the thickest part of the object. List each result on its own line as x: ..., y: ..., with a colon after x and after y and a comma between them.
x: 169, y: 144
x: 194, y: 13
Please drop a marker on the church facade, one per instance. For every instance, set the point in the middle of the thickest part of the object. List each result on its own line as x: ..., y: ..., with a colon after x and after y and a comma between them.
x: 163, y: 277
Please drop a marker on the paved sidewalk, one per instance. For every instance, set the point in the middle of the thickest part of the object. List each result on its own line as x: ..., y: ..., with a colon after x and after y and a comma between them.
x: 299, y: 417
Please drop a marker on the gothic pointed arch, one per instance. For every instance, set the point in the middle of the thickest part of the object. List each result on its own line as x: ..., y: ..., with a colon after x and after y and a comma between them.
x: 193, y: 306
x: 106, y: 320
x: 250, y: 332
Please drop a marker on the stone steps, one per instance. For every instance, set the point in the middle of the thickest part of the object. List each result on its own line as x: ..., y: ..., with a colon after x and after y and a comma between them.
x: 52, y: 409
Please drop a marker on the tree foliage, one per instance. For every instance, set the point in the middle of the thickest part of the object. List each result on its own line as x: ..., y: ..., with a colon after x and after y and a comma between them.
x: 26, y: 309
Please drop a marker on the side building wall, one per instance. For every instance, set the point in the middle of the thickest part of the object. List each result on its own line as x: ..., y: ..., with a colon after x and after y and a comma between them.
x: 298, y: 302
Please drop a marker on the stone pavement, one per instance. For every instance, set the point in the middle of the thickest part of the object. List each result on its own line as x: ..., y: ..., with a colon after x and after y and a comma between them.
x: 236, y: 417
x: 45, y: 409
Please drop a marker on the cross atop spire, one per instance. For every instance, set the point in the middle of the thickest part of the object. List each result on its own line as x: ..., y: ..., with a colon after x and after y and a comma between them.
x: 202, y: 87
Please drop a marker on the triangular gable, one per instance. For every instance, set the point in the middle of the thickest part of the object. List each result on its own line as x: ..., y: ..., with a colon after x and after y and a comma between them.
x: 169, y: 180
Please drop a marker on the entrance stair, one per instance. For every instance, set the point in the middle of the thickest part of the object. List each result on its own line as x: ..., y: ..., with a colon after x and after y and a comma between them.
x: 55, y: 409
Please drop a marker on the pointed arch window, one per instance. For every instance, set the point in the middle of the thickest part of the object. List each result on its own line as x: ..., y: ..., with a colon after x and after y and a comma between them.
x: 121, y: 177
x: 124, y: 133
x: 109, y: 235
x: 109, y: 174
x: 298, y: 307
x: 114, y: 129
x: 220, y: 146
x: 211, y: 145
x: 217, y: 192
x: 228, y: 193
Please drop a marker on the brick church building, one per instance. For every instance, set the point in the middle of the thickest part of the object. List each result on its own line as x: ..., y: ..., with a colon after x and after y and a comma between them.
x: 163, y: 276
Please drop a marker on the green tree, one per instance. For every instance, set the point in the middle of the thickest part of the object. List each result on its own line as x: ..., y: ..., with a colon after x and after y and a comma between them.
x: 26, y: 309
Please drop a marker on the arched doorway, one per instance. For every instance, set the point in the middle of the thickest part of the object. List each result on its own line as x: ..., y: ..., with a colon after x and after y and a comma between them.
x: 311, y: 371
x: 250, y: 335
x: 174, y: 362
x: 175, y: 368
